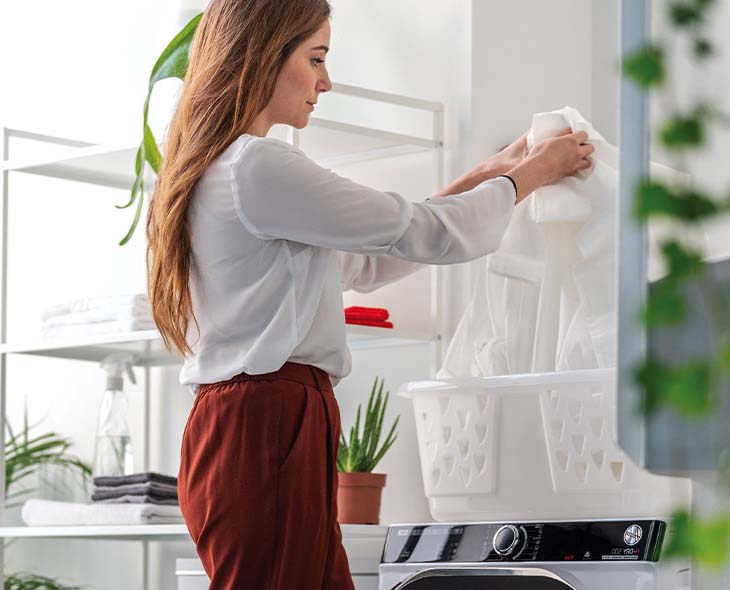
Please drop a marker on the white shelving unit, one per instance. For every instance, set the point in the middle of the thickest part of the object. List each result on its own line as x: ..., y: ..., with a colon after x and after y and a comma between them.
x: 335, y: 143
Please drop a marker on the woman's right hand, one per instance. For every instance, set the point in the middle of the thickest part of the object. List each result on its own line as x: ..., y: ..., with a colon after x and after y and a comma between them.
x: 551, y: 160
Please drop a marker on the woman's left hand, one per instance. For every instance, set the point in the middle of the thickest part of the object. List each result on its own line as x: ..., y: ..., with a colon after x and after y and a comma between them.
x: 510, y: 156
x: 500, y: 163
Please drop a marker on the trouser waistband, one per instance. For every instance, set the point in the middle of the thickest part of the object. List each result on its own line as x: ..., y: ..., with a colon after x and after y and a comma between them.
x: 304, y: 374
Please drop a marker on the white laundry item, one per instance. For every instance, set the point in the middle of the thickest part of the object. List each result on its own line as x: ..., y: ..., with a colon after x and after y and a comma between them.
x: 101, y: 314
x: 96, y: 302
x: 37, y: 512
x: 546, y: 299
x: 97, y: 329
x: 576, y: 328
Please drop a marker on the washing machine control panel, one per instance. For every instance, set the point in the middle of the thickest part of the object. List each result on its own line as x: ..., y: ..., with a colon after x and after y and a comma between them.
x: 608, y: 540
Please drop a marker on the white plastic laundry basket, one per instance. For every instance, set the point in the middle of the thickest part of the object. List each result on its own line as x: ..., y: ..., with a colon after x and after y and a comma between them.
x: 539, y: 445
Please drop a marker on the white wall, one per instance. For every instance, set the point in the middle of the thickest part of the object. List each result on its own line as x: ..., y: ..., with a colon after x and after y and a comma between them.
x: 492, y: 64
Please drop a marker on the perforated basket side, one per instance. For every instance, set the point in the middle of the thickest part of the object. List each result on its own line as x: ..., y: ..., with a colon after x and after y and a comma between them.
x: 579, y: 422
x: 456, y: 440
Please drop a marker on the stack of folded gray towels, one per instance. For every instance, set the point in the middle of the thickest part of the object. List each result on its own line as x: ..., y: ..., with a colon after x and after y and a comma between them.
x: 138, y: 488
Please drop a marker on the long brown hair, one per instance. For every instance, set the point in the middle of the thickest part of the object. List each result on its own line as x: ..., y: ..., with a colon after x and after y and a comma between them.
x: 236, y: 56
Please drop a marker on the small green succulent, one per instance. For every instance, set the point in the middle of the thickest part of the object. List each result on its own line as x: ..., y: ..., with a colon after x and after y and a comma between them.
x: 361, y: 453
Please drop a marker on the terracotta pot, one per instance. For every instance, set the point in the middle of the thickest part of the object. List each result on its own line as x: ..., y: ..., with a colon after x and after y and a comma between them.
x: 358, y: 497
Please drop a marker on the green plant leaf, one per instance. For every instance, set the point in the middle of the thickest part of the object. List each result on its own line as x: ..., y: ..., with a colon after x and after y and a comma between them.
x: 152, y: 153
x: 651, y: 377
x: 361, y: 453
x: 690, y: 389
x: 685, y: 14
x: 28, y: 581
x: 664, y: 307
x: 681, y: 260
x: 687, y: 388
x: 652, y: 198
x: 703, y: 48
x: 683, y: 131
x: 23, y: 455
x: 135, y: 221
x: 389, y: 440
x: 645, y: 66
x: 724, y: 361
x: 172, y: 63
x: 680, y: 543
x: 704, y: 541
x: 656, y: 199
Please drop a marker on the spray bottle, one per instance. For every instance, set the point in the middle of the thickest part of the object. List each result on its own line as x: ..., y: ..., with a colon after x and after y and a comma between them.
x: 113, y: 446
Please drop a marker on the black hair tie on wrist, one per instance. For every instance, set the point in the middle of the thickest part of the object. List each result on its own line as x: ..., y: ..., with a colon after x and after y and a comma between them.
x: 514, y: 184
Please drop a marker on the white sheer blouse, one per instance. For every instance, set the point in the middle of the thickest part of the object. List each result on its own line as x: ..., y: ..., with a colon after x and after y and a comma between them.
x: 277, y: 238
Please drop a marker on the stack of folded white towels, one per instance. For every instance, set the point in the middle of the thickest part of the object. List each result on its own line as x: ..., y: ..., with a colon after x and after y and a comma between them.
x: 142, y: 498
x: 93, y: 316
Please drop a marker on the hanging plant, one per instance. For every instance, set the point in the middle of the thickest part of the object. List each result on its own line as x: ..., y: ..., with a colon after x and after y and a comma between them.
x: 692, y: 388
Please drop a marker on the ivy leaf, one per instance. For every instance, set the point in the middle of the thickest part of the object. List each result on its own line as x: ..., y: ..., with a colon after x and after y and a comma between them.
x: 685, y: 14
x: 693, y: 206
x: 645, y: 66
x: 656, y: 199
x: 652, y: 377
x: 704, y: 541
x: 679, y: 543
x: 681, y: 261
x: 687, y: 389
x: 725, y: 358
x: 703, y: 48
x: 683, y: 131
x: 652, y: 198
x: 664, y: 307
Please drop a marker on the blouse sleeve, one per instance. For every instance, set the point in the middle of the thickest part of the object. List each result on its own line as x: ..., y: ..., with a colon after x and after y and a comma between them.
x: 279, y: 192
x: 364, y: 273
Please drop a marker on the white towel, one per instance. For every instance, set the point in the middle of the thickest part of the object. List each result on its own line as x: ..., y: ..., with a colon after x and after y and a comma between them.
x: 100, y: 301
x: 51, y: 513
x: 100, y: 314
x: 98, y: 329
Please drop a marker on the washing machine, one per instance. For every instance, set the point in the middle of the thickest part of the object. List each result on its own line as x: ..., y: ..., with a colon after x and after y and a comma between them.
x: 549, y: 555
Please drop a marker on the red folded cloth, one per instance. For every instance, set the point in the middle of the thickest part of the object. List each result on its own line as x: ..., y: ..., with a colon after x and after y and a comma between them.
x: 367, y: 313
x: 375, y: 323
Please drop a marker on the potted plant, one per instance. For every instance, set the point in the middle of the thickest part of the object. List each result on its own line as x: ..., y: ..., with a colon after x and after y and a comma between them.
x: 24, y: 455
x: 360, y: 490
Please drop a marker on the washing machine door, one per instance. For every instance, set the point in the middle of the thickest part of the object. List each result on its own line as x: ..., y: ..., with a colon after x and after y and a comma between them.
x: 484, y: 579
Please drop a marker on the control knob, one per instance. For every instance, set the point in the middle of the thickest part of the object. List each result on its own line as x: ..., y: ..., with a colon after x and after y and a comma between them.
x: 508, y: 540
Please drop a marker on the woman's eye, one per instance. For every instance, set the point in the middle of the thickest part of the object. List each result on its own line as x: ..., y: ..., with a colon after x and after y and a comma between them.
x: 318, y: 60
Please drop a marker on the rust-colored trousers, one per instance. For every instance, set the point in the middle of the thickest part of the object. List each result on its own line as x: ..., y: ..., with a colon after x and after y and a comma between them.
x: 258, y: 482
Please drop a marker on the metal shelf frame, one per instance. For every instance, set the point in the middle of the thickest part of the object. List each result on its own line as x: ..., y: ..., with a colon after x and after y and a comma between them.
x: 112, y: 167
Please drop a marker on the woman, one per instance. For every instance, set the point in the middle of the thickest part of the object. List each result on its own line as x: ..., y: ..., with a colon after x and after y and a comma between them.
x: 255, y: 243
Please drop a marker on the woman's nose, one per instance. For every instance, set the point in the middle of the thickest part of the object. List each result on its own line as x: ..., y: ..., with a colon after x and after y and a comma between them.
x: 325, y: 84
